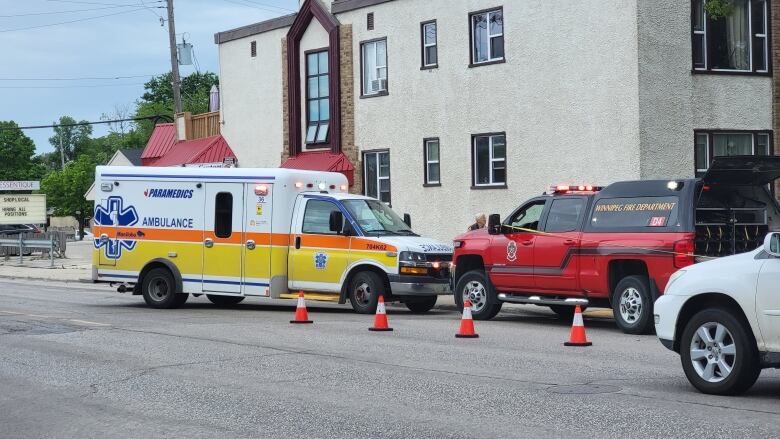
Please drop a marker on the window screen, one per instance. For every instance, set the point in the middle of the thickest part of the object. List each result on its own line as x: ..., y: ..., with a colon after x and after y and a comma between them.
x: 223, y: 215
x: 622, y: 213
x: 564, y: 215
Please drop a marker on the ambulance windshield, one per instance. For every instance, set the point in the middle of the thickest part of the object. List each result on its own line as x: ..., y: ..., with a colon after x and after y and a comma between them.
x: 375, y: 218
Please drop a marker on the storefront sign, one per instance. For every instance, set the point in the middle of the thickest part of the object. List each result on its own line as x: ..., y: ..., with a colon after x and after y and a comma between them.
x: 20, y: 185
x: 22, y: 209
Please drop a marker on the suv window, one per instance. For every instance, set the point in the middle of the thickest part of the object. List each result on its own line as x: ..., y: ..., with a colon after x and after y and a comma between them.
x: 565, y: 214
x: 528, y: 217
x: 622, y: 213
x: 316, y: 217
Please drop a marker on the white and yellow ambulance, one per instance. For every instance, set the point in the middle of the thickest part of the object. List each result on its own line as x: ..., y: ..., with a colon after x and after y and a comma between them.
x: 166, y: 233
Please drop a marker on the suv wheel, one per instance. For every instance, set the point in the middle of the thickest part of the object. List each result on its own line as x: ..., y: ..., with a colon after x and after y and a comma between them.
x: 717, y: 353
x: 566, y: 312
x: 476, y: 287
x: 364, y: 291
x: 159, y: 290
x: 632, y: 305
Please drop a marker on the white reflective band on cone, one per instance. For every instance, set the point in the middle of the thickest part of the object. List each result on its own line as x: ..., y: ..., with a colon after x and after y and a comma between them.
x: 380, y: 308
x: 467, y: 313
x: 578, y: 320
x: 301, y: 303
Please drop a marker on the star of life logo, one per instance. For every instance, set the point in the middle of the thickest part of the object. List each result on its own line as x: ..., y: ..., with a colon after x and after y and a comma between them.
x: 115, y: 214
x: 320, y: 260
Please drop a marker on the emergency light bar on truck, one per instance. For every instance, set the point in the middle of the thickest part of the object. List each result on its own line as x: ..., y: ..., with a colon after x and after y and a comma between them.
x: 562, y: 188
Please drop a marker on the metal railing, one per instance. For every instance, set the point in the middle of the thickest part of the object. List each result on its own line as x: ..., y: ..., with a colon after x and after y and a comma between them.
x: 24, y: 243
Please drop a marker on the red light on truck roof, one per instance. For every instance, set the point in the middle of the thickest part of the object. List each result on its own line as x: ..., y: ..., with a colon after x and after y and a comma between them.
x: 562, y: 188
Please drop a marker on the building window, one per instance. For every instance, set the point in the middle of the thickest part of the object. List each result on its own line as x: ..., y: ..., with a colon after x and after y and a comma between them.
x: 430, y: 51
x: 223, y: 215
x: 488, y: 160
x: 374, y: 61
x: 717, y: 144
x: 377, y: 175
x: 432, y: 163
x: 737, y: 42
x: 253, y: 49
x: 317, y: 98
x: 487, y: 36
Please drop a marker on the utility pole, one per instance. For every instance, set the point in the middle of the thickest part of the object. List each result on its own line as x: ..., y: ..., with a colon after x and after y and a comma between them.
x: 62, y: 152
x: 176, y: 82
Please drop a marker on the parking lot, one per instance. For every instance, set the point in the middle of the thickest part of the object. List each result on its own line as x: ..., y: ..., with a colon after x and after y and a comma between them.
x: 84, y: 361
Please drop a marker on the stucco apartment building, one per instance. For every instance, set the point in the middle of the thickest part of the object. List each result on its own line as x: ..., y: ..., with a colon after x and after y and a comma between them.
x: 448, y: 108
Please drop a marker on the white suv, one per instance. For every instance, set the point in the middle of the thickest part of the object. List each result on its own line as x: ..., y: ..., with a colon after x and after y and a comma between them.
x: 723, y: 318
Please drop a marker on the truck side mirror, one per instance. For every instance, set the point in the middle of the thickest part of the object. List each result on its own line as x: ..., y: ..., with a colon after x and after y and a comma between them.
x: 408, y: 220
x: 772, y: 244
x: 336, y: 221
x: 494, y: 224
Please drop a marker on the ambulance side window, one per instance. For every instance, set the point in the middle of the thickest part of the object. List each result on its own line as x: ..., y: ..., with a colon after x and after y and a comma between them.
x: 316, y: 217
x: 223, y: 215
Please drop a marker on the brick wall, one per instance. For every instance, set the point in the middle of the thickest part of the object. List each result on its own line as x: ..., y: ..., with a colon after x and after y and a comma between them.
x: 775, y: 44
x: 285, y: 106
x: 347, y: 85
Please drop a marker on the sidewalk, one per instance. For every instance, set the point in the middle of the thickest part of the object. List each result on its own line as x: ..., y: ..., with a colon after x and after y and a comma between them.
x: 77, y: 267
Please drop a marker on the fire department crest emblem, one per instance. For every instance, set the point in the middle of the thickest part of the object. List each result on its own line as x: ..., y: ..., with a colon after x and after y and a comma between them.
x: 511, y: 251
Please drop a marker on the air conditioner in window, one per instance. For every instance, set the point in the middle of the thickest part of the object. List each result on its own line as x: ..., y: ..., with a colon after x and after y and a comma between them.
x: 378, y: 85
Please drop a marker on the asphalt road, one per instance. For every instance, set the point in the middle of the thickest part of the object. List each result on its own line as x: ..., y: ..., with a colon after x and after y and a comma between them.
x: 83, y: 361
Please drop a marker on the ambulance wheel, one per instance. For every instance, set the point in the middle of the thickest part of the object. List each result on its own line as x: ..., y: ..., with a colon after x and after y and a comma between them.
x: 476, y: 287
x: 364, y: 290
x: 632, y: 305
x: 224, y: 300
x: 159, y: 290
x: 421, y: 305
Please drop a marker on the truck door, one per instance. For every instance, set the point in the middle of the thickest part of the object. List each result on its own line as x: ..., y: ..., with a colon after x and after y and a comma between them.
x: 556, y: 260
x: 768, y: 304
x: 318, y: 257
x: 512, y: 252
x: 257, y: 244
x: 223, y: 237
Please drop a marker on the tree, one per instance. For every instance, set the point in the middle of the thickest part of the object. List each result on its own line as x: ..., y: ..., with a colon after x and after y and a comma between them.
x: 65, y: 189
x: 16, y: 154
x: 719, y: 8
x: 75, y: 139
x: 158, y: 97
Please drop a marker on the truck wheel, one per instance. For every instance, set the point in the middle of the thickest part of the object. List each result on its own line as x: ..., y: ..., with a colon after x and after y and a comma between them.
x: 421, y: 305
x: 632, y: 305
x: 364, y: 291
x: 159, y: 290
x: 566, y: 312
x: 224, y: 300
x: 476, y: 287
x: 718, y: 355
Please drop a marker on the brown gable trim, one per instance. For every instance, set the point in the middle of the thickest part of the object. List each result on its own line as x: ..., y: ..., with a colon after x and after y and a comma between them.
x: 310, y: 10
x: 340, y: 6
x: 254, y: 29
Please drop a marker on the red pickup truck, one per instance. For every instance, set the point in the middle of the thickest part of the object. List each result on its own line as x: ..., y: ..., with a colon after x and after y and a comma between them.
x: 617, y: 246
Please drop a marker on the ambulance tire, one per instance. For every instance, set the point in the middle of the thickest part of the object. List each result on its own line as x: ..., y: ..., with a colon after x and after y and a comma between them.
x: 364, y: 290
x: 421, y: 305
x: 159, y: 290
x: 632, y: 305
x: 224, y: 300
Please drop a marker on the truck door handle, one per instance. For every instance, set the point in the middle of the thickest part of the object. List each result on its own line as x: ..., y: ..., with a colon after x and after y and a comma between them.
x: 208, y: 243
x: 527, y: 243
x: 569, y: 242
x: 250, y: 245
x: 297, y: 242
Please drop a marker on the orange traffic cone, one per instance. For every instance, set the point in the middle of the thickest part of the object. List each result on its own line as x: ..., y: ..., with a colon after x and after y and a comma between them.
x: 577, y: 336
x: 301, y: 315
x: 466, y: 323
x: 380, y: 321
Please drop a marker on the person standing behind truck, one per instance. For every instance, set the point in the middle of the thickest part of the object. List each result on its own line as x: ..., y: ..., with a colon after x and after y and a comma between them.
x: 481, y: 220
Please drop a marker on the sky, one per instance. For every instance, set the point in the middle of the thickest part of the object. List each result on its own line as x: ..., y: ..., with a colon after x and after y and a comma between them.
x: 36, y: 64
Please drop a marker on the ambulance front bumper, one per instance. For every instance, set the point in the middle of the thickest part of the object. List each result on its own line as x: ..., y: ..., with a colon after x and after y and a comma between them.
x: 401, y: 285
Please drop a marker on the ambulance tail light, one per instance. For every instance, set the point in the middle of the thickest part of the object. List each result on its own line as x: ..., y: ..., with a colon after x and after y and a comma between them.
x: 298, y: 185
x: 343, y: 188
x: 261, y: 190
x: 684, y: 253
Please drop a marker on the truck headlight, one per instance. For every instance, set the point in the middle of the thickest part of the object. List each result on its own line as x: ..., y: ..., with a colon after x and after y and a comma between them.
x: 412, y: 257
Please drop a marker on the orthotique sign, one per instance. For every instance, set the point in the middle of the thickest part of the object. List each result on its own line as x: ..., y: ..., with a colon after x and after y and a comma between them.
x: 22, y: 209
x: 20, y: 185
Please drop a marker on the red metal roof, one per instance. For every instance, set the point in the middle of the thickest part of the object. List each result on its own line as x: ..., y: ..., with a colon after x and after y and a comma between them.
x: 212, y: 149
x: 160, y: 142
x: 322, y: 161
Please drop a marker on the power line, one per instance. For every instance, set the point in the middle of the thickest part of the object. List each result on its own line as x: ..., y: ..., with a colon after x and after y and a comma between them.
x: 259, y: 6
x: 102, y: 3
x: 70, y: 21
x: 94, y: 78
x: 71, y: 86
x: 154, y: 118
x: 64, y: 12
x: 270, y: 5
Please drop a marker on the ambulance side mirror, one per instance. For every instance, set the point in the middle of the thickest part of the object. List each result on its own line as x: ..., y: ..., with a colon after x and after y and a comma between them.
x: 772, y: 244
x: 408, y: 220
x: 336, y: 221
x: 494, y: 224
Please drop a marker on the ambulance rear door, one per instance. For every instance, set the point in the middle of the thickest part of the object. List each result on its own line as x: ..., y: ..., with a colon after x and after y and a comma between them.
x: 258, y: 250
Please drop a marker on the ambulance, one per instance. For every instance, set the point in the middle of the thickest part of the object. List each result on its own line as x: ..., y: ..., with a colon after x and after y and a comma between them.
x: 166, y: 233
